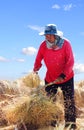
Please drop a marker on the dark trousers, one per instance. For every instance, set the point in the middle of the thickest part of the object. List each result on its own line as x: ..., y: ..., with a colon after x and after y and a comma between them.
x: 68, y: 94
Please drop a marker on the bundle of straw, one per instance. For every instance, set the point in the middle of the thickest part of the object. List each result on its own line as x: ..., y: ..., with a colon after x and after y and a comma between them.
x: 32, y: 80
x: 16, y: 112
x: 36, y: 112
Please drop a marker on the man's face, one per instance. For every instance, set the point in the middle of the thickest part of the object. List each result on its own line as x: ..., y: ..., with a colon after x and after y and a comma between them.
x: 50, y: 38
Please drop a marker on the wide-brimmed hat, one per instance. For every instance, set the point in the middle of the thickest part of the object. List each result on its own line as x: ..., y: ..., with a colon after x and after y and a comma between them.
x: 51, y: 29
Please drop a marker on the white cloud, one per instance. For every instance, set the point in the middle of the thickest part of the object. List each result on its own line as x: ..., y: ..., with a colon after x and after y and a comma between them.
x: 29, y: 51
x: 56, y: 6
x: 35, y: 27
x: 67, y: 7
x: 79, y: 68
x: 20, y: 60
x: 3, y: 59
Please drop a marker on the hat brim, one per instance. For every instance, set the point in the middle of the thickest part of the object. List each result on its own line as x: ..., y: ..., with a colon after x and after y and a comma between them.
x: 59, y: 33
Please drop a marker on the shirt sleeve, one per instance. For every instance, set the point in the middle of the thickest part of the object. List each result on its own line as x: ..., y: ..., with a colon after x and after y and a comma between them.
x: 38, y: 60
x: 69, y: 59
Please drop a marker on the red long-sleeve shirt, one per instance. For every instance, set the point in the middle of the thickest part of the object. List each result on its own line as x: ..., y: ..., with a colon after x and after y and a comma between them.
x: 57, y: 62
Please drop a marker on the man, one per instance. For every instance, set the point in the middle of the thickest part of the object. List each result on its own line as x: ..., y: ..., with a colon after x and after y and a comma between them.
x: 59, y: 61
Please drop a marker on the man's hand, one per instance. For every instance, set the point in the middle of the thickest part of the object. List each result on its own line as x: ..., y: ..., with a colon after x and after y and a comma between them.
x: 36, y: 72
x: 59, y: 80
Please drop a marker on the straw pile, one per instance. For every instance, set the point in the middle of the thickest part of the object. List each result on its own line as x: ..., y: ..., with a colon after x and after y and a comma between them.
x: 32, y: 80
x: 35, y: 112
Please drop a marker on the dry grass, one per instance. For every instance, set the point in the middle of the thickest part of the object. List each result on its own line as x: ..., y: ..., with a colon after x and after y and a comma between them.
x: 37, y: 112
x: 81, y: 84
x: 15, y: 112
x: 7, y: 87
x: 32, y: 80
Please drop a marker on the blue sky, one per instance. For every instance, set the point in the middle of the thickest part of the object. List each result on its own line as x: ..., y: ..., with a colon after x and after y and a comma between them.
x: 20, y: 24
